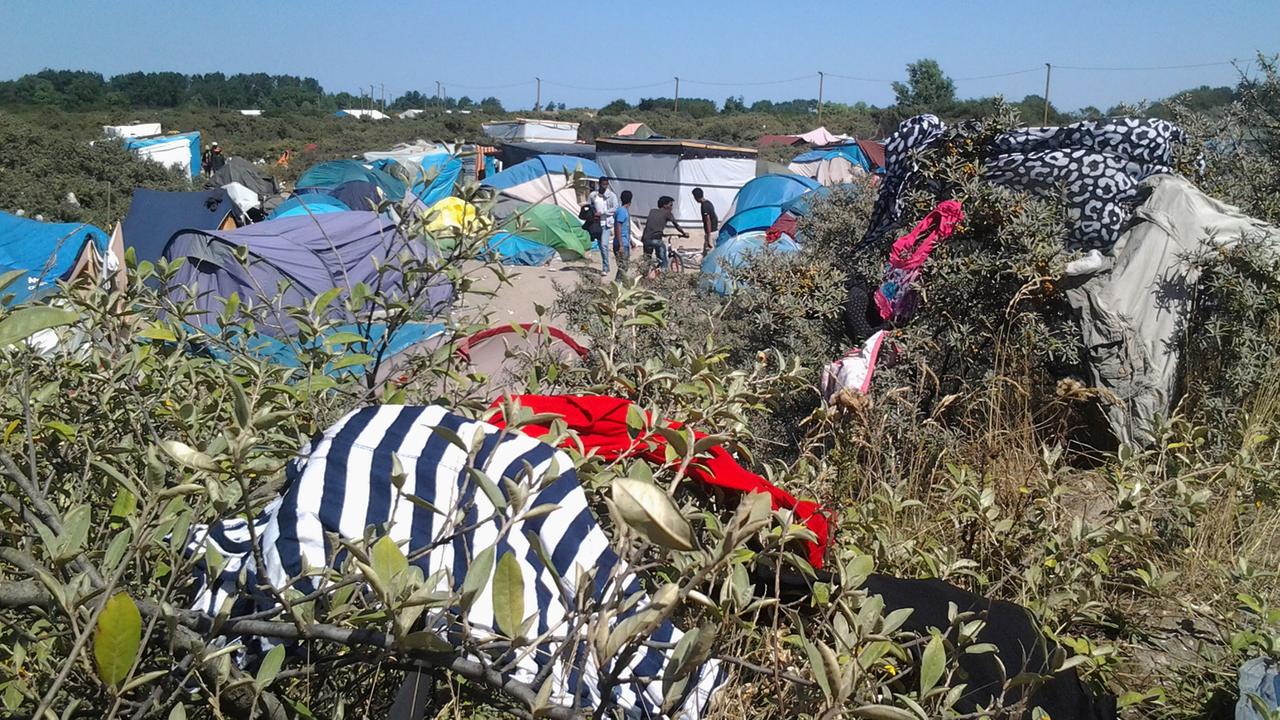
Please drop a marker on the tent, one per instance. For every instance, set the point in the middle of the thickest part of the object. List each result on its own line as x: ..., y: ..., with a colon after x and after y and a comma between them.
x: 640, y: 131
x: 514, y: 249
x: 331, y: 177
x: 552, y: 179
x: 46, y: 253
x: 833, y: 166
x: 652, y: 168
x: 172, y: 151
x: 761, y: 201
x: 154, y: 216
x: 408, y: 154
x: 550, y: 225
x: 308, y: 204
x: 504, y: 353
x: 733, y: 252
x: 238, y: 170
x: 133, y: 130
x: 436, y: 177
x: 313, y: 254
x: 358, y: 113
x: 511, y: 153
x: 522, y: 130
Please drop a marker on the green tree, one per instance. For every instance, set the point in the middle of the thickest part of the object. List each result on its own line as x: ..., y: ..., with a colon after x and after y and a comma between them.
x: 733, y: 105
x: 617, y: 107
x: 927, y: 87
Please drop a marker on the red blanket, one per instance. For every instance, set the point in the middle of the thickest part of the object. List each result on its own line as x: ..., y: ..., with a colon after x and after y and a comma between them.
x: 601, y: 425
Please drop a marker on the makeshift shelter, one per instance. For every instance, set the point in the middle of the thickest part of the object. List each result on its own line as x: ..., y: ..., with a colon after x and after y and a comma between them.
x: 653, y: 168
x: 817, y: 137
x: 308, y: 204
x: 172, y: 151
x: 514, y: 249
x: 759, y: 203
x: 511, y: 153
x: 358, y: 186
x: 238, y: 170
x: 359, y: 113
x: 504, y: 354
x: 552, y: 179
x: 154, y: 216
x: 133, y: 130
x: 46, y: 253
x: 639, y: 131
x: 550, y: 225
x: 523, y: 130
x: 833, y: 166
x: 733, y: 252
x: 311, y: 254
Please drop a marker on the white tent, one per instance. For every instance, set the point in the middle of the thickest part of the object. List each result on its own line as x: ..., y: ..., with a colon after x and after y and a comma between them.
x: 357, y: 113
x: 251, y: 113
x: 653, y: 168
x: 131, y: 131
x: 532, y: 131
x: 411, y: 114
x: 173, y: 151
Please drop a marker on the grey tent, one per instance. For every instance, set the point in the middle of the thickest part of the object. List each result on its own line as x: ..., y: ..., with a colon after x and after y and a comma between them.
x: 307, y: 254
x: 1134, y: 303
x: 239, y: 170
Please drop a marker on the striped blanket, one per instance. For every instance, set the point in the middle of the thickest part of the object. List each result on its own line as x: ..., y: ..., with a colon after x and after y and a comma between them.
x: 341, y: 484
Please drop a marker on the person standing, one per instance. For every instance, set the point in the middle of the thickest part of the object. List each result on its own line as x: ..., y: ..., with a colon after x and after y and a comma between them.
x: 213, y: 159
x: 710, y: 222
x: 657, y: 221
x: 622, y: 234
x: 605, y: 203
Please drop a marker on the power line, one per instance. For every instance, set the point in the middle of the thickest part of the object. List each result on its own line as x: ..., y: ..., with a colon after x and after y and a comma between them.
x: 1000, y: 75
x: 605, y: 89
x: 1153, y: 67
x: 810, y: 76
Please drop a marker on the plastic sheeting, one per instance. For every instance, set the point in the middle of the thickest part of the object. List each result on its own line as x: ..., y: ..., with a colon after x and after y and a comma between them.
x: 651, y: 175
x: 45, y: 252
x: 532, y: 131
x: 131, y: 131
x: 172, y: 151
x: 516, y: 250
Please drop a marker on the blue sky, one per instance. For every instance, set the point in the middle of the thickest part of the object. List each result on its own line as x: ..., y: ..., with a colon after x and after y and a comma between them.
x: 717, y: 48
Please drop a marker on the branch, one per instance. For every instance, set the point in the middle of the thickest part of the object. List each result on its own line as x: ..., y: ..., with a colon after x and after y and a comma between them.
x: 25, y: 593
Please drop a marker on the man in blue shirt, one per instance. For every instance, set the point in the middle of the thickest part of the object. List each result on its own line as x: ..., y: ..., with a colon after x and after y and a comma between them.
x: 622, y: 234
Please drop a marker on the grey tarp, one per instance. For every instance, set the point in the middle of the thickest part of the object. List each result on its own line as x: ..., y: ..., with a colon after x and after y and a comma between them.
x: 237, y: 169
x: 1133, y: 304
x: 312, y: 253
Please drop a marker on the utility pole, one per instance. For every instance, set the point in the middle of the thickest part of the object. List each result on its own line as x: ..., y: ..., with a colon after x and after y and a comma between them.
x: 537, y: 103
x: 677, y: 93
x: 383, y: 87
x: 372, y: 103
x: 1047, y: 69
x: 821, y: 81
x: 439, y: 97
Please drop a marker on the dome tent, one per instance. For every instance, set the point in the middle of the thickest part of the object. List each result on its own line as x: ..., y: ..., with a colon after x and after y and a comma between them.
x: 308, y: 204
x: 546, y: 179
x: 550, y: 225
x: 351, y: 182
x: 734, y: 252
x: 760, y: 202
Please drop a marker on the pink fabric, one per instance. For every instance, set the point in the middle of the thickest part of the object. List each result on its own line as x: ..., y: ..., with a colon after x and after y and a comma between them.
x: 907, y: 255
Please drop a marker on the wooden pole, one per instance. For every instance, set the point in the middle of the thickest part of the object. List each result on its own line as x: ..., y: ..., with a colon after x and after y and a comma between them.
x: 821, y: 81
x: 677, y: 93
x: 1047, y: 70
x: 537, y: 103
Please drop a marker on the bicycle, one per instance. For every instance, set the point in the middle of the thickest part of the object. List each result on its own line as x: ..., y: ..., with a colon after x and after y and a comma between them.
x: 678, y: 259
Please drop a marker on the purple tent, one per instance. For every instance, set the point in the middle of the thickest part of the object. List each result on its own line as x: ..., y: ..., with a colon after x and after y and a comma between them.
x: 311, y: 253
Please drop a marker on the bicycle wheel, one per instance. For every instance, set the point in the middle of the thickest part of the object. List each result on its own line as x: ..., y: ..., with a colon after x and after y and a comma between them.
x: 677, y: 264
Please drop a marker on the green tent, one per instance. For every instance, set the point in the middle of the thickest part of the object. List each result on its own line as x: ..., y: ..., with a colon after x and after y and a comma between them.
x: 336, y: 173
x: 550, y: 225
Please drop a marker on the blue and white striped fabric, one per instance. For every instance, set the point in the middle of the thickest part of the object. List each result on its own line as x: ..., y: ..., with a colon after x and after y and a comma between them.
x: 342, y: 484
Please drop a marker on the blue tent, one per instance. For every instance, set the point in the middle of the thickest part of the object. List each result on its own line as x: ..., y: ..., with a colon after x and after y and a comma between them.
x: 733, y: 252
x: 760, y: 202
x: 852, y: 152
x: 543, y: 179
x: 516, y: 250
x: 312, y: 203
x: 45, y: 252
x: 154, y: 216
x: 799, y: 206
x: 438, y: 178
x: 169, y: 150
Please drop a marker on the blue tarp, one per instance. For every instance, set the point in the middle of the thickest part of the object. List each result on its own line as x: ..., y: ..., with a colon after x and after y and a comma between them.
x: 541, y: 166
x: 312, y: 203
x: 440, y: 173
x: 516, y: 250
x: 760, y: 202
x: 47, y: 252
x: 154, y: 216
x: 851, y: 151
x: 734, y: 252
x: 193, y: 143
x: 285, y: 352
x: 800, y: 205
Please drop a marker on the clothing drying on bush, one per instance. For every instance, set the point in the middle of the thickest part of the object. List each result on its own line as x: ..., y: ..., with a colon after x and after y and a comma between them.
x: 1094, y: 167
x: 341, y: 484
x: 600, y: 424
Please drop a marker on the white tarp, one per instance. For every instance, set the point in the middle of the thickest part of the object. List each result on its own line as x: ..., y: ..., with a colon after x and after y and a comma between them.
x: 243, y: 197
x: 821, y: 137
x: 829, y: 171
x: 532, y: 131
x: 130, y: 131
x: 371, y: 114
x: 649, y: 176
x: 175, y: 153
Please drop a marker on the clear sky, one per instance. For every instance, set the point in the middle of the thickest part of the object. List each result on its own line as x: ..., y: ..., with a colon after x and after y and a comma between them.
x: 591, y: 52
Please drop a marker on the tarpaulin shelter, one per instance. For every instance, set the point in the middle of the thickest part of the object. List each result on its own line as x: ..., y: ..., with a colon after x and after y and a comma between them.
x: 733, y: 252
x: 47, y: 253
x: 511, y: 153
x: 172, y: 151
x: 308, y: 204
x: 514, y: 249
x: 408, y: 155
x: 552, y: 179
x: 154, y: 216
x: 352, y: 182
x: 523, y: 130
x: 238, y: 170
x: 132, y: 130
x: 436, y: 177
x: 312, y: 254
x: 653, y: 168
x: 759, y: 203
x: 550, y: 225
x: 833, y: 166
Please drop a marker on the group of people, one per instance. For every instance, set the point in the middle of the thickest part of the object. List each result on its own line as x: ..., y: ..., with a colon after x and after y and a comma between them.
x: 212, y: 160
x: 607, y: 219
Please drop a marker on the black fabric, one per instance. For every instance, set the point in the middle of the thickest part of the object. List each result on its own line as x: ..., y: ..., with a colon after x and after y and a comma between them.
x: 709, y: 211
x: 860, y: 317
x: 1094, y: 167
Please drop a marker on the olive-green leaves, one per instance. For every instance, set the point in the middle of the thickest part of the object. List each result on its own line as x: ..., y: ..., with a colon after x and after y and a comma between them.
x: 650, y: 511
x: 116, y: 639
x: 23, y: 323
x: 508, y: 595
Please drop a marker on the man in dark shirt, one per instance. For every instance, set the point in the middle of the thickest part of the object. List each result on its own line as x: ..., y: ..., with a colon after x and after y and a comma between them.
x: 657, y: 221
x: 213, y: 159
x: 710, y: 223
